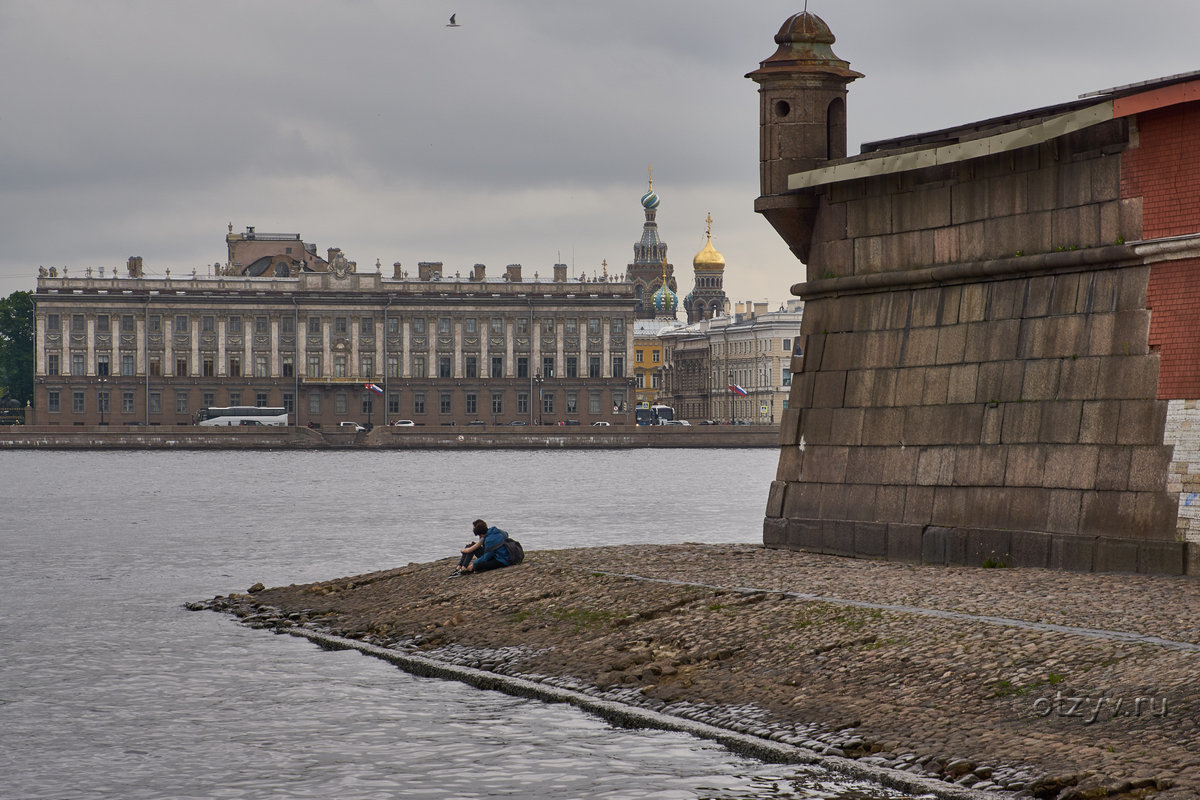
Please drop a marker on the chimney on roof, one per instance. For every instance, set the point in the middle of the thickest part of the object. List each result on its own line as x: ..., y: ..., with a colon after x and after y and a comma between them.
x: 512, y: 273
x: 429, y: 270
x: 560, y: 273
x: 479, y: 273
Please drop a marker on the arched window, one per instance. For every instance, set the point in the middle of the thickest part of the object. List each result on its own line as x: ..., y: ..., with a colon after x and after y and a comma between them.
x: 835, y: 129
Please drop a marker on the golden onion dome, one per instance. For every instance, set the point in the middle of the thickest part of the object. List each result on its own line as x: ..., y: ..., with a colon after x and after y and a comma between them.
x: 708, y: 258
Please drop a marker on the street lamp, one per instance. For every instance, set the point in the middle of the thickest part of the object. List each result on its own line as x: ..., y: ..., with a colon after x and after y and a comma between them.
x: 102, y: 397
x: 538, y: 379
x: 729, y: 395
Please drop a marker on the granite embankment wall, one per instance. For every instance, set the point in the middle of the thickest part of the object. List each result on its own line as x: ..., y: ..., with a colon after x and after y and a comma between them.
x: 418, y: 438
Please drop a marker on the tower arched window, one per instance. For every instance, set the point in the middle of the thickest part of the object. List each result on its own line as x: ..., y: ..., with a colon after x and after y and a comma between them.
x: 835, y: 129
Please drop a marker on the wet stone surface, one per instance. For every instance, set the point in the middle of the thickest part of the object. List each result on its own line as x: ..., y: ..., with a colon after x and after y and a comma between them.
x: 1018, y: 681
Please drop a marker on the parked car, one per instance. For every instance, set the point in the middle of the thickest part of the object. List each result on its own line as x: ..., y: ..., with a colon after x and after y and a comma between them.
x: 351, y: 424
x: 518, y: 422
x: 676, y: 422
x: 601, y: 424
x: 403, y: 423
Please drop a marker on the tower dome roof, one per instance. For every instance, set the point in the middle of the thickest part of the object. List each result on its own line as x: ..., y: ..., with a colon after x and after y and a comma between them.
x: 804, y: 44
x: 650, y: 199
x: 709, y: 258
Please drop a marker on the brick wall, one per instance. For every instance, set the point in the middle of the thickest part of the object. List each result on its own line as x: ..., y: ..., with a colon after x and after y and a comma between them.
x: 1164, y: 170
x: 1173, y: 296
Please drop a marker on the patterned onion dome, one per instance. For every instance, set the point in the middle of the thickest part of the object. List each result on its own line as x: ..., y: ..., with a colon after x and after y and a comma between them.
x: 665, y: 299
x: 650, y: 199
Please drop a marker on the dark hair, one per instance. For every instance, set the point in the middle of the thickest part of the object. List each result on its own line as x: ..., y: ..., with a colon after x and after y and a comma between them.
x: 480, y: 527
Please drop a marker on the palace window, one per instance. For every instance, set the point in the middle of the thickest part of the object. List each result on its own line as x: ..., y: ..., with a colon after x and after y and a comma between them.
x: 418, y: 403
x: 234, y: 326
x: 339, y: 403
x: 52, y: 365
x: 102, y: 363
x: 53, y: 401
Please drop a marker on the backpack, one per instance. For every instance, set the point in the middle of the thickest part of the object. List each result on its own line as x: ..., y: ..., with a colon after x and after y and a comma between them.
x: 516, y: 553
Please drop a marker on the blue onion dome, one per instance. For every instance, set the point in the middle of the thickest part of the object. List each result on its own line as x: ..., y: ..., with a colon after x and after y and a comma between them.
x: 650, y: 199
x: 665, y: 299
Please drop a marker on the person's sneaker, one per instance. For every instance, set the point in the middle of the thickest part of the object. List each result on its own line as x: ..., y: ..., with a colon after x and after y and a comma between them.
x: 456, y: 573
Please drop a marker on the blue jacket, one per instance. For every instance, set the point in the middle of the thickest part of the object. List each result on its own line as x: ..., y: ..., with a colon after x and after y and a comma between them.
x: 493, y: 548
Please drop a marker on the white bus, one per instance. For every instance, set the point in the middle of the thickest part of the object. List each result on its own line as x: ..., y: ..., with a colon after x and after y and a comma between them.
x: 653, y: 415
x: 242, y: 415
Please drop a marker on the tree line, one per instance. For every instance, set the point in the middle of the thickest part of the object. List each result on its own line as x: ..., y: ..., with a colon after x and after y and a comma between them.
x: 16, y: 347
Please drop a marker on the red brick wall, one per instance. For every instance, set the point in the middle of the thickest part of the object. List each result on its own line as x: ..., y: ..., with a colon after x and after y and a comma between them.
x: 1164, y: 170
x: 1174, y: 299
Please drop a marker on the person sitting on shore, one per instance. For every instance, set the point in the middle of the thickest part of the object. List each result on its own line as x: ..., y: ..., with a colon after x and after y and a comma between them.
x: 493, y: 553
x: 469, y: 552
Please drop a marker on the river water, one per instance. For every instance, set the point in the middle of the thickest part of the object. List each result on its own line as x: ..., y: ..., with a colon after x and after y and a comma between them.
x: 110, y: 689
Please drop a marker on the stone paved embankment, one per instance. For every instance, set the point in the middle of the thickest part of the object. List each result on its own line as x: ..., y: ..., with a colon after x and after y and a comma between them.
x: 1042, y: 683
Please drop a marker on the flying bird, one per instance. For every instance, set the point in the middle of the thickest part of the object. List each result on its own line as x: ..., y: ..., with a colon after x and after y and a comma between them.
x: 453, y: 24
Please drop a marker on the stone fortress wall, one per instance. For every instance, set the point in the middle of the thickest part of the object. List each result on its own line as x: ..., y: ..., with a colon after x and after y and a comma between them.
x: 984, y: 378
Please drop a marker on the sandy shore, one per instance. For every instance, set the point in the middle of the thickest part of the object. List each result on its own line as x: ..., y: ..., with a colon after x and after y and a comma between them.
x: 1044, y: 683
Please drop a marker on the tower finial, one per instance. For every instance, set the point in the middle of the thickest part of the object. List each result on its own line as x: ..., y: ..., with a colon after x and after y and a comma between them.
x: 652, y: 177
x: 708, y: 224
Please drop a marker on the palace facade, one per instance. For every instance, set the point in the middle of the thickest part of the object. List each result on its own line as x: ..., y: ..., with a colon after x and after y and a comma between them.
x: 331, y: 344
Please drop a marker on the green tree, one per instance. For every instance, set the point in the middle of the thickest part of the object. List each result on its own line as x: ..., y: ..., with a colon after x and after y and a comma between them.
x: 16, y: 346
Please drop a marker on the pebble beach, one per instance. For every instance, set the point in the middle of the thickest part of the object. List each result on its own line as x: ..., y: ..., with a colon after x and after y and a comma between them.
x: 974, y: 681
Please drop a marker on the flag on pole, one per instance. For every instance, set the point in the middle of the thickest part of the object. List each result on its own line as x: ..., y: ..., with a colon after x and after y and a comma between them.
x: 739, y: 391
x: 373, y: 387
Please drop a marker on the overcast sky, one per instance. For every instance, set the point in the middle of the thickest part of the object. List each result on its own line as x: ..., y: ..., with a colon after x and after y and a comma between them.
x: 523, y: 136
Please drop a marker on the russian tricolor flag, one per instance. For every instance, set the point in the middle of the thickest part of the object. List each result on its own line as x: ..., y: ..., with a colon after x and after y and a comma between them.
x: 739, y: 391
x: 373, y: 387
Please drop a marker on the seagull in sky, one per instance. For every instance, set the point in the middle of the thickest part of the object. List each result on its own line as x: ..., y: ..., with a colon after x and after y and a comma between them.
x: 453, y: 24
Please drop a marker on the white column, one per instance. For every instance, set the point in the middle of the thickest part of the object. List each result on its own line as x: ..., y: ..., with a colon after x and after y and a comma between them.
x: 222, y: 332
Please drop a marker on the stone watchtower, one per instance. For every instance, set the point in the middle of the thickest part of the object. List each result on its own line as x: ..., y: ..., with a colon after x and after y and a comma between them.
x: 802, y: 113
x: 997, y: 362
